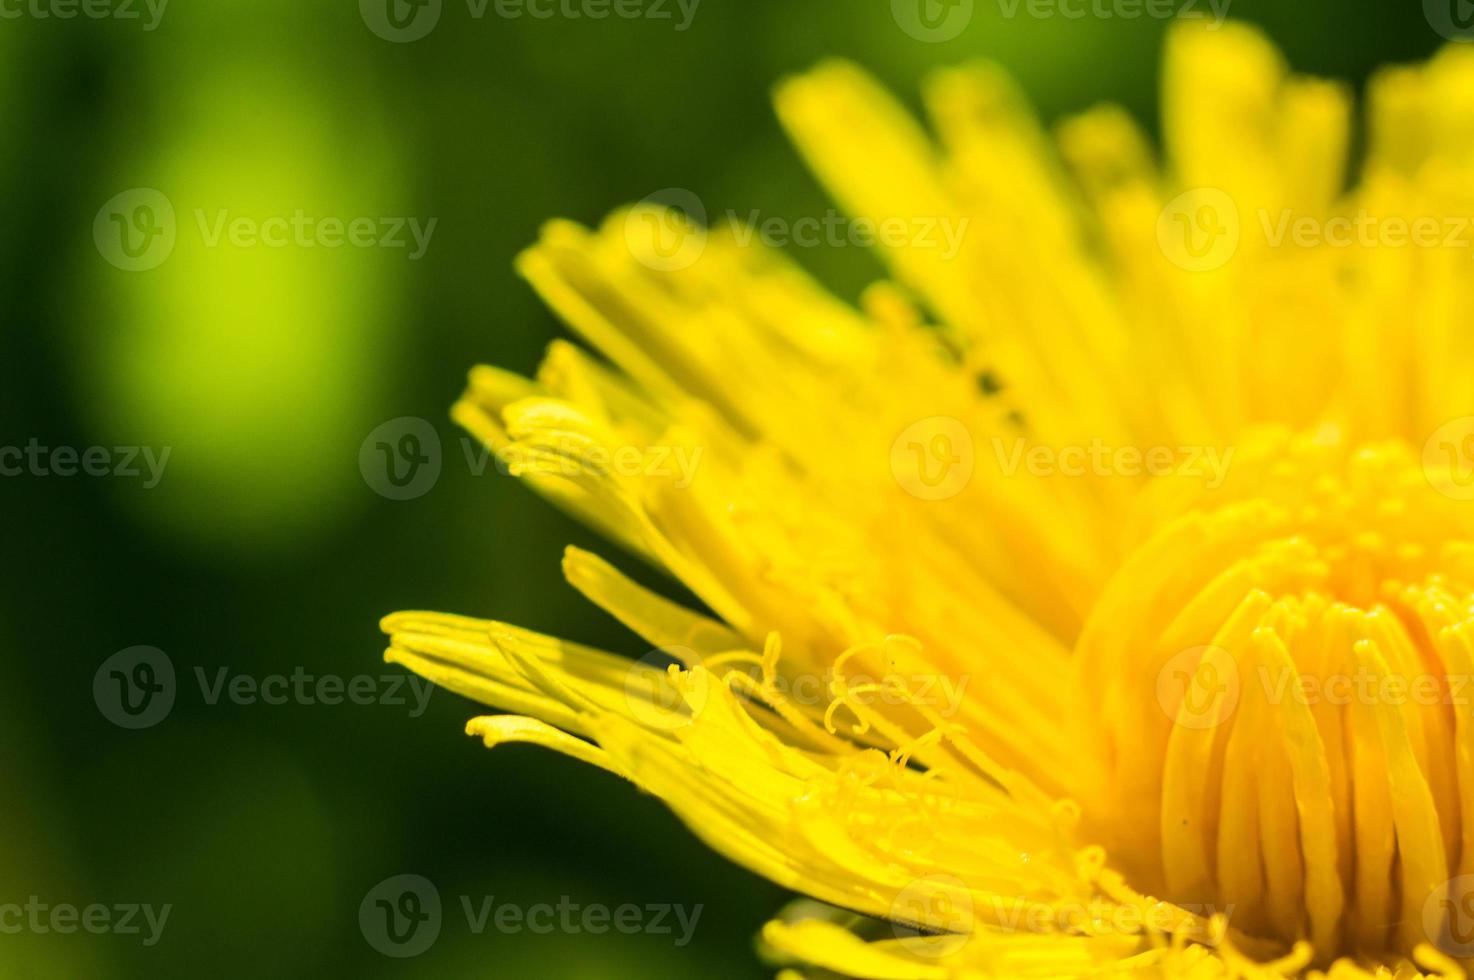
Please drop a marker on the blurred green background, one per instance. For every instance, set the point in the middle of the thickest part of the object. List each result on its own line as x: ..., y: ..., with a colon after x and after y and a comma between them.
x: 263, y: 549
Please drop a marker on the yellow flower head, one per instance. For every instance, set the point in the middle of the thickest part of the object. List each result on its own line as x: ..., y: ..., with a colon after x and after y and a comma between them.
x: 1098, y: 596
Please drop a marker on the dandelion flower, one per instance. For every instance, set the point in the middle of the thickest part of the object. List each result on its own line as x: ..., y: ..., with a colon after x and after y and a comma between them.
x: 1095, y: 596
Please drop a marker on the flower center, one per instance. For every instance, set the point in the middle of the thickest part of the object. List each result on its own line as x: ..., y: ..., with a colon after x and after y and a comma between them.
x: 1281, y: 681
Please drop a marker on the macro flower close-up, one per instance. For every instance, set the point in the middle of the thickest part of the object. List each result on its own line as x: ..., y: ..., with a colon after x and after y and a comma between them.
x: 1093, y: 597
x: 654, y: 489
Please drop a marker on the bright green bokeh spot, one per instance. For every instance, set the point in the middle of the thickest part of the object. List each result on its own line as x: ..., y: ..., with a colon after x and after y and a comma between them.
x: 260, y: 365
